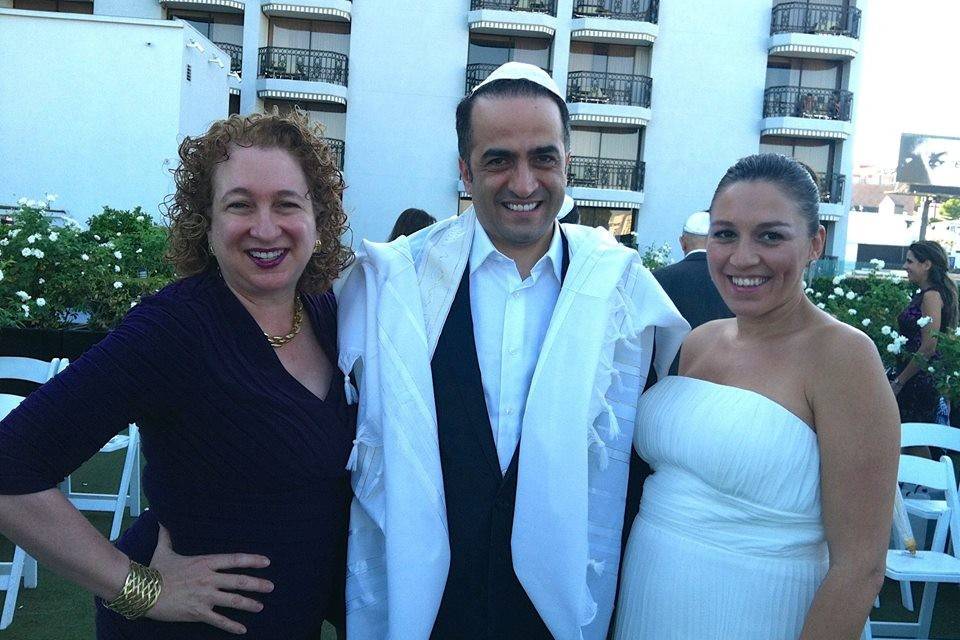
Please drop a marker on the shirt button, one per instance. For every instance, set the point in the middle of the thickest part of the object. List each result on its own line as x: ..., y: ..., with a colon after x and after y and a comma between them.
x: 516, y: 294
x: 514, y: 351
x: 508, y: 411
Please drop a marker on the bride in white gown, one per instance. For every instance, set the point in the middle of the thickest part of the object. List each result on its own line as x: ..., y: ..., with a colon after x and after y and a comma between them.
x: 774, y: 453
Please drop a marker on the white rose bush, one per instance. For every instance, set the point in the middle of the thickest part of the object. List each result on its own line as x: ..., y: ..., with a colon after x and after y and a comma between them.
x: 871, y: 304
x: 55, y: 276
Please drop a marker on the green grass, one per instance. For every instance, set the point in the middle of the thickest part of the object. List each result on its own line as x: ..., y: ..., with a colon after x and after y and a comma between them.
x: 58, y: 610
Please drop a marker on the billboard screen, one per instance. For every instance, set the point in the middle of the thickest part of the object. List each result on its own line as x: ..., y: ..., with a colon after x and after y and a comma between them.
x: 931, y: 161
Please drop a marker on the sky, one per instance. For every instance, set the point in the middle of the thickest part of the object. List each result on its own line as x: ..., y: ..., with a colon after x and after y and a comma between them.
x: 909, y: 78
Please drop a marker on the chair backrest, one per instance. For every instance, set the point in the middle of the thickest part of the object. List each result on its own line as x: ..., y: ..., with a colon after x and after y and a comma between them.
x: 28, y: 369
x: 919, y: 434
x: 8, y: 403
x: 938, y: 476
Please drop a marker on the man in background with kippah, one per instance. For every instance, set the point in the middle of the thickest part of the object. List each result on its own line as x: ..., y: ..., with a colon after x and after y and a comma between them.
x: 499, y: 357
x: 688, y: 282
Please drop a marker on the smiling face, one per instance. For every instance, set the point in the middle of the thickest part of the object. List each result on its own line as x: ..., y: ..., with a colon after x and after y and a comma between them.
x: 758, y: 246
x: 916, y: 271
x: 262, y: 227
x: 517, y: 170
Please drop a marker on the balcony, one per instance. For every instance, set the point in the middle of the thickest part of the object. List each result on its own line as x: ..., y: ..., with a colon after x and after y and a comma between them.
x: 303, y: 64
x: 605, y: 173
x: 609, y: 99
x: 232, y: 6
x: 333, y: 10
x: 477, y: 72
x: 807, y: 102
x: 822, y: 19
x: 527, y: 18
x: 548, y: 7
x: 831, y: 187
x: 615, y: 21
x: 600, y: 87
x: 636, y: 10
x: 798, y: 29
x: 236, y: 54
x: 807, y: 112
x: 285, y: 73
x: 336, y: 150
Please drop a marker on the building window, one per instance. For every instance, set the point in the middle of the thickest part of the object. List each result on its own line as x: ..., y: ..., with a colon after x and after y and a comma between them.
x: 609, y: 58
x: 217, y: 26
x: 234, y: 104
x: 59, y: 6
x: 618, y: 221
x: 188, y: 73
x: 803, y: 72
x: 495, y: 50
x: 313, y: 35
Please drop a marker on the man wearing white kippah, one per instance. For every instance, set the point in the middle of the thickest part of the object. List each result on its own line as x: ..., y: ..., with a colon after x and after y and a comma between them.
x: 688, y: 282
x: 499, y: 356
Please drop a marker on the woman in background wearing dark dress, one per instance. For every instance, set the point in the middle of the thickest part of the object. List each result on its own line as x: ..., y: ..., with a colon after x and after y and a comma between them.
x: 926, y: 267
x: 230, y: 374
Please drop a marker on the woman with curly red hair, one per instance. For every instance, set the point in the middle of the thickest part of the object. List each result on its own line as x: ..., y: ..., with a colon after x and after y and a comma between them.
x: 231, y: 375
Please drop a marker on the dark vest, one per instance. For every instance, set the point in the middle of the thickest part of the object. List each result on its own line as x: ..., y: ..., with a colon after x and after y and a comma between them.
x: 483, y: 599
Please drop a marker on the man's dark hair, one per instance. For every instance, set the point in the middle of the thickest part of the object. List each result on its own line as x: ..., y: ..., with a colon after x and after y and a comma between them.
x: 518, y: 88
x: 409, y: 222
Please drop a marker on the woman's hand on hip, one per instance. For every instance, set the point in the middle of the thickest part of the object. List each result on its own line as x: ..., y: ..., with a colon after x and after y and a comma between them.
x: 193, y: 585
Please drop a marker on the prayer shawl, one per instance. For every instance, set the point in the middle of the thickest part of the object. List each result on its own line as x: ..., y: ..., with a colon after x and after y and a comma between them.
x: 575, y: 443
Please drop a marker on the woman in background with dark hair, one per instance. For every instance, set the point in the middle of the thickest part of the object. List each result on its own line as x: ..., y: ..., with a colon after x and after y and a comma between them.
x: 777, y: 442
x: 933, y: 308
x: 409, y: 222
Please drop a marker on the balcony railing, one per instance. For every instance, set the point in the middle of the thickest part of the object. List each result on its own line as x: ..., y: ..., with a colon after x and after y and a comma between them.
x: 640, y: 10
x: 236, y: 54
x: 533, y: 6
x: 807, y: 102
x: 336, y: 150
x: 609, y: 88
x: 831, y: 187
x: 605, y: 173
x: 477, y: 72
x: 303, y: 64
x: 830, y: 19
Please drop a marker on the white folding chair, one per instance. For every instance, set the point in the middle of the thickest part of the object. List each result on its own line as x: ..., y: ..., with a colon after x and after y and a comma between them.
x: 128, y: 493
x: 23, y: 567
x: 928, y: 566
x: 925, y: 434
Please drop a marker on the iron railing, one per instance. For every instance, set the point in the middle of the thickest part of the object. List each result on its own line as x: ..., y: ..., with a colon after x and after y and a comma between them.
x: 830, y: 19
x: 605, y: 173
x: 336, y: 150
x: 477, y: 72
x: 533, y: 6
x: 807, y: 102
x: 609, y: 88
x: 303, y: 64
x: 831, y: 187
x: 236, y: 54
x: 640, y: 10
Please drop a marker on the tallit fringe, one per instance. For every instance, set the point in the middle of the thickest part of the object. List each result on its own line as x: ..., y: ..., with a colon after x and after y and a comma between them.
x: 350, y: 391
x: 621, y: 330
x: 363, y: 437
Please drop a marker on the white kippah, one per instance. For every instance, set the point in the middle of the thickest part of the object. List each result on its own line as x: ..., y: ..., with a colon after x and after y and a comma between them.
x: 698, y: 224
x: 523, y: 71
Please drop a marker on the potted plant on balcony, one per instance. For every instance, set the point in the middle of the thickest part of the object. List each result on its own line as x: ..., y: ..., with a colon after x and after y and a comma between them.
x: 62, y: 288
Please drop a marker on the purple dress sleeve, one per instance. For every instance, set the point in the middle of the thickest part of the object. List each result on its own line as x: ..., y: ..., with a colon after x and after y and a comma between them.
x: 66, y: 421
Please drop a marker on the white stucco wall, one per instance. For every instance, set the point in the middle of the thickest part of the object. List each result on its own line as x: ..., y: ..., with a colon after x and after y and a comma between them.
x: 708, y: 69
x: 406, y: 76
x: 93, y: 109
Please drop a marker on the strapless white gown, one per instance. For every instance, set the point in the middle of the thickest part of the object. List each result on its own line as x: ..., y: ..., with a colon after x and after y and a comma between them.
x: 729, y: 541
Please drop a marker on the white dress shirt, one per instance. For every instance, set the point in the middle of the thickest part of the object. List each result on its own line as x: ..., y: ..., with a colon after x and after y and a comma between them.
x: 510, y: 320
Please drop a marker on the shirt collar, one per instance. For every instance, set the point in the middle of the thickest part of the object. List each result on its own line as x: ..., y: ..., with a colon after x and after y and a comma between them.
x: 483, y: 248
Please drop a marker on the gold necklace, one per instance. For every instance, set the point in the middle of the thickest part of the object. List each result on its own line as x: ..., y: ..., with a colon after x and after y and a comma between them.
x: 278, y: 341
